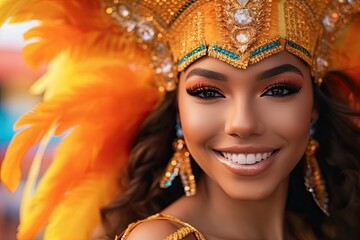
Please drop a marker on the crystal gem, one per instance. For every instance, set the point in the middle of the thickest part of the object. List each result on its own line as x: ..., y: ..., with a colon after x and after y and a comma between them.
x: 168, y: 184
x: 130, y: 25
x: 243, y: 2
x: 243, y: 16
x: 243, y: 48
x: 165, y: 66
x: 123, y: 11
x: 243, y: 36
x: 146, y: 31
x: 321, y: 64
x: 330, y: 20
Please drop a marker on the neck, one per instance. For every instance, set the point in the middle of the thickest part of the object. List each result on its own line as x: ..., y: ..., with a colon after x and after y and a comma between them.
x: 255, y: 219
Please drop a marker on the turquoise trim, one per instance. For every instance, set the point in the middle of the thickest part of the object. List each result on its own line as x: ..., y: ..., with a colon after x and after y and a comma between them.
x: 193, y: 52
x: 265, y: 48
x: 225, y: 52
x: 299, y: 48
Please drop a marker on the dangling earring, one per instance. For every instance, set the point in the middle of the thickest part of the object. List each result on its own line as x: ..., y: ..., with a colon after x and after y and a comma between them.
x: 312, y: 175
x: 180, y: 164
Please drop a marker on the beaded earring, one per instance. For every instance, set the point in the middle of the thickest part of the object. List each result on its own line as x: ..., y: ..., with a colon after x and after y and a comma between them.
x: 313, y: 179
x: 179, y: 164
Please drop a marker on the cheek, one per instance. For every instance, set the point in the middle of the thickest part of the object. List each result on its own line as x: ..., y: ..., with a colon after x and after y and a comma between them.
x: 197, y: 121
x: 290, y: 120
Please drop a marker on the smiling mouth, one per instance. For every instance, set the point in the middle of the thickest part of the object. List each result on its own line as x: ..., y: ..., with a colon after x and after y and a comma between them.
x: 246, y: 158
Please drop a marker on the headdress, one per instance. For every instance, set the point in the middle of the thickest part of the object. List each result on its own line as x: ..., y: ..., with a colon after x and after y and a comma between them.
x: 104, y: 58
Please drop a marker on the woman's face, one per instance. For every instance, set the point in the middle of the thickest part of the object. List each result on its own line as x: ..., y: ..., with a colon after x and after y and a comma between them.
x: 247, y: 129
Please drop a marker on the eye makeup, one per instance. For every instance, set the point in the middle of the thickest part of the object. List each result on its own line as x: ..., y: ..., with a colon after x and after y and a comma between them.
x: 204, y: 91
x: 282, y: 88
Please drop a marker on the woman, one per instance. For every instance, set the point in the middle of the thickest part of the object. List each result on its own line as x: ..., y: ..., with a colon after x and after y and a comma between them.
x: 249, y: 100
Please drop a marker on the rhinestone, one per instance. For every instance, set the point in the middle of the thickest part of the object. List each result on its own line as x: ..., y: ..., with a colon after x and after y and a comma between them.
x: 243, y: 16
x: 167, y: 184
x: 330, y: 20
x: 243, y: 36
x: 243, y: 48
x: 130, y: 25
x: 164, y: 67
x: 146, y: 31
x: 321, y: 64
x: 123, y: 11
x: 243, y: 2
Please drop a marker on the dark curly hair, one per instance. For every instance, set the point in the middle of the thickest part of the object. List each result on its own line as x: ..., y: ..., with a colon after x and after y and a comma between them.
x: 338, y: 158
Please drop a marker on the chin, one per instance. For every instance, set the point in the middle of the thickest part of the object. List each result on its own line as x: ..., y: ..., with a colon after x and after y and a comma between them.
x: 255, y: 191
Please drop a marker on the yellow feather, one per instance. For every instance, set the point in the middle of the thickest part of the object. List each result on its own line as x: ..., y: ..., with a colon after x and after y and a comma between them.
x: 20, y: 144
x: 77, y: 209
x: 34, y: 172
x: 92, y: 94
x: 100, y: 134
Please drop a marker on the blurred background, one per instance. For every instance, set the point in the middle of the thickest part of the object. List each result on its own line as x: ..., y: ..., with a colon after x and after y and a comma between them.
x: 15, y: 80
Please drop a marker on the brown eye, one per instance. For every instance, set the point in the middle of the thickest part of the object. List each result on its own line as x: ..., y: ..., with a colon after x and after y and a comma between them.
x: 205, y: 93
x: 281, y: 90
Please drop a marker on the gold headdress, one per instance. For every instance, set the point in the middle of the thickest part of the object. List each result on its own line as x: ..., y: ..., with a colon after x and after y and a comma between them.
x: 104, y: 56
x: 239, y: 32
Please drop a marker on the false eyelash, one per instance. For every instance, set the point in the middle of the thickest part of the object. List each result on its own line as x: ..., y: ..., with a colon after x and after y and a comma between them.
x: 201, y: 87
x: 204, y: 92
x: 293, y: 87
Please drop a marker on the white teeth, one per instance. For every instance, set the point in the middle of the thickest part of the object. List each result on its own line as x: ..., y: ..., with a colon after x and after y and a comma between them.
x: 242, y: 158
x: 258, y: 157
x: 249, y: 158
x: 234, y: 157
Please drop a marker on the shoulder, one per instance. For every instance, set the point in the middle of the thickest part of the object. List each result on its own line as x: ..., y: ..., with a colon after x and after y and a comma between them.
x: 153, y: 228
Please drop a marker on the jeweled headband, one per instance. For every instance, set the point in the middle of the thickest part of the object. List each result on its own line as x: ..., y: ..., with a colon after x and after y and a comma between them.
x: 240, y: 32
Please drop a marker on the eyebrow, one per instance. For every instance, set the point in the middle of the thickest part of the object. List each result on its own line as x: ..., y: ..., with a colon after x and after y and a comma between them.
x: 207, y: 74
x: 278, y: 70
x: 264, y: 75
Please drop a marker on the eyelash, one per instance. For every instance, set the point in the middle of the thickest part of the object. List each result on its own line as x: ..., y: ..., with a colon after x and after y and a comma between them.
x: 286, y: 89
x: 204, y: 92
x: 208, y: 92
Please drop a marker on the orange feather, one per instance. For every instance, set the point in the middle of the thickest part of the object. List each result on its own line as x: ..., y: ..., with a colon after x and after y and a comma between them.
x: 104, y: 115
x: 91, y: 95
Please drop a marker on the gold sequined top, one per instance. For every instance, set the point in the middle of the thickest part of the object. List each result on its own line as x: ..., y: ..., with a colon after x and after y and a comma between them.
x: 298, y: 226
x: 185, y: 229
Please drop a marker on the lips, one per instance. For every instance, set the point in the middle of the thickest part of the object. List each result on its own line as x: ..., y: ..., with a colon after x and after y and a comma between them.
x: 246, y: 158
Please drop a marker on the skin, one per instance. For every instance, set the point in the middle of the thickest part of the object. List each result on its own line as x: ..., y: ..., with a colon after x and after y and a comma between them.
x: 264, y: 108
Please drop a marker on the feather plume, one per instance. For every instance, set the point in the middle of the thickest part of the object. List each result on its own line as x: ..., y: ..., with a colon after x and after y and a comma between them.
x: 93, y: 96
x: 345, y: 85
x: 104, y: 115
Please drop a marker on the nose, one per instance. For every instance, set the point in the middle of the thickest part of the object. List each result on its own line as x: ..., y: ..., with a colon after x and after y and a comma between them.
x: 242, y: 120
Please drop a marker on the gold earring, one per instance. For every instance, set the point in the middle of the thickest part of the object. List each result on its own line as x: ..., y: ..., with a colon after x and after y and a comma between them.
x: 313, y: 179
x: 180, y: 164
